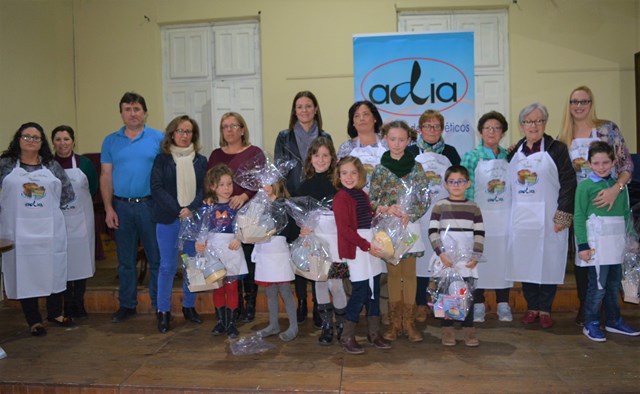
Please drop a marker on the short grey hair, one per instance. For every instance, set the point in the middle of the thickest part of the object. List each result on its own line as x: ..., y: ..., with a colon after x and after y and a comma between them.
x: 532, y: 107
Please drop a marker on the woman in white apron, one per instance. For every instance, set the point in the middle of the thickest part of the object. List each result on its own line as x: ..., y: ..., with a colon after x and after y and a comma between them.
x: 397, y: 175
x: 488, y: 170
x: 543, y: 184
x: 353, y: 213
x: 177, y: 179
x: 274, y: 271
x: 580, y: 127
x: 79, y: 220
x: 435, y: 157
x: 34, y: 188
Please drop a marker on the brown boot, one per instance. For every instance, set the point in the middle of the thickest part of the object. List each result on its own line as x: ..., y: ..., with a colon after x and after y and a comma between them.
x: 395, y: 315
x: 470, y: 338
x: 421, y: 313
x: 348, y: 339
x: 409, y: 324
x: 374, y: 337
x: 448, y: 336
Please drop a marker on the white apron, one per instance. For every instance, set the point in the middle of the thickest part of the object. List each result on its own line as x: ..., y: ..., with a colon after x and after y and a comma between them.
x: 78, y: 217
x: 462, y: 239
x: 607, y: 236
x: 273, y: 261
x: 369, y: 156
x: 537, y: 254
x: 493, y: 196
x: 579, y: 152
x: 419, y: 245
x: 327, y: 231
x: 434, y: 165
x: 32, y: 218
x: 233, y: 260
x: 364, y: 266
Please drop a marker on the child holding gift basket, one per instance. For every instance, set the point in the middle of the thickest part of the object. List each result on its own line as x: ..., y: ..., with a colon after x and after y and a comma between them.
x: 353, y: 214
x: 456, y: 232
x: 319, y: 167
x: 218, y: 185
x: 600, y: 236
x: 274, y: 271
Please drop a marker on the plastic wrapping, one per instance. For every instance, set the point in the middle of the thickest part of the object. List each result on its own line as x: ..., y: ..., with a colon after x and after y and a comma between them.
x: 631, y: 264
x: 452, y: 296
x: 245, y: 346
x: 310, y: 254
x: 392, y: 237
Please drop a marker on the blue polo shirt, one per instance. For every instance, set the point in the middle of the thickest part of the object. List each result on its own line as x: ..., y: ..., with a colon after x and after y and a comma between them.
x: 131, y: 160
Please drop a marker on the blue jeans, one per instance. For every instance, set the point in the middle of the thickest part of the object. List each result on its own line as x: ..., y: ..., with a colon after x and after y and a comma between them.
x: 167, y: 235
x: 361, y: 296
x: 135, y: 226
x: 539, y: 297
x: 610, y: 277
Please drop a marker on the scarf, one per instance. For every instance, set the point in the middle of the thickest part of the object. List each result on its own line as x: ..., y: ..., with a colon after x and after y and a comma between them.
x: 401, y: 167
x: 424, y: 146
x: 185, y: 173
x: 304, y: 138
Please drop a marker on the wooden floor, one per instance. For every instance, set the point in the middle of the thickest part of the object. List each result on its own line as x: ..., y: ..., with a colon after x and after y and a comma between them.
x: 98, y: 356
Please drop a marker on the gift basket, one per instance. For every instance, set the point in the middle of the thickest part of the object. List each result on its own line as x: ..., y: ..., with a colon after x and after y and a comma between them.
x: 452, y: 296
x: 631, y: 263
x: 259, y: 219
x: 310, y: 254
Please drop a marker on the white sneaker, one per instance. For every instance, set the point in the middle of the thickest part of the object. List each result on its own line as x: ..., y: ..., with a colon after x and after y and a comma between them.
x: 3, y: 354
x: 504, y: 312
x: 478, y: 313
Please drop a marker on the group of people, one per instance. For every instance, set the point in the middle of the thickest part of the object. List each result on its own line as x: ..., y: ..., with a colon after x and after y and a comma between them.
x: 513, y: 209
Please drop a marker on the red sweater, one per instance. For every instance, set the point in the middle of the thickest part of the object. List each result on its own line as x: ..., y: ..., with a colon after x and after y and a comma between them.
x: 344, y: 209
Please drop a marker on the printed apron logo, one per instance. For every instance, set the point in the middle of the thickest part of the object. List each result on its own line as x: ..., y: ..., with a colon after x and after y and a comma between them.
x: 33, y: 192
x: 496, y: 187
x: 528, y: 179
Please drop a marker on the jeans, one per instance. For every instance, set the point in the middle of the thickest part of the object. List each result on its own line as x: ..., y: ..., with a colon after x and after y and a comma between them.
x: 361, y: 296
x: 135, y: 226
x: 502, y: 295
x: 610, y: 277
x: 539, y: 297
x: 167, y: 236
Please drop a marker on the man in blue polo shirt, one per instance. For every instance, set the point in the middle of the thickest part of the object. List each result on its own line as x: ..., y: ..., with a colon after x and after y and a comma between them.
x: 126, y: 159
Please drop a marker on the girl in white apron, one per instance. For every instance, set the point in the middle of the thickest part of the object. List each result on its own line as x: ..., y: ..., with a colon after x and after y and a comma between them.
x: 79, y: 220
x: 353, y: 214
x: 218, y: 190
x: 33, y: 189
x: 274, y: 271
x: 398, y: 171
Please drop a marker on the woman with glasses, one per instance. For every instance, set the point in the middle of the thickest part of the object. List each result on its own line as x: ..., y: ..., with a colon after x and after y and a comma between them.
x: 78, y: 217
x: 435, y: 156
x: 305, y: 125
x: 236, y: 150
x: 177, y: 187
x: 35, y: 188
x: 543, y: 185
x: 488, y: 169
x: 580, y: 127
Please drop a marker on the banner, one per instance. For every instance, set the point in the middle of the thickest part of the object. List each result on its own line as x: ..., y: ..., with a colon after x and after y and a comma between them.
x: 407, y: 74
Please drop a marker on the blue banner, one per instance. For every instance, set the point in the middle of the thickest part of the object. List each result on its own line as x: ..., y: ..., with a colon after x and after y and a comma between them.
x: 406, y: 74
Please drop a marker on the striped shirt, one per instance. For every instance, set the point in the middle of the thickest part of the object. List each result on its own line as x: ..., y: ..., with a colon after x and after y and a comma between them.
x: 363, y: 209
x: 459, y: 216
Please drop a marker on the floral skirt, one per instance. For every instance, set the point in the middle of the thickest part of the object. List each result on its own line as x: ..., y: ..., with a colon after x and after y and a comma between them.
x: 339, y: 270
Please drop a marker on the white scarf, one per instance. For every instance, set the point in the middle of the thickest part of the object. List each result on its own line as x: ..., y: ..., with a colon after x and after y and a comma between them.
x: 185, y: 173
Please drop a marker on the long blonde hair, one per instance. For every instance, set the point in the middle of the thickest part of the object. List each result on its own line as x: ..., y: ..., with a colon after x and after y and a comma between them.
x: 568, y: 125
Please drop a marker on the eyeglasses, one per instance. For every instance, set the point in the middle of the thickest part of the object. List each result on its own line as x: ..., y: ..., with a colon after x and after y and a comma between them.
x: 234, y: 126
x: 532, y: 122
x: 457, y: 182
x: 184, y: 132
x: 492, y: 129
x: 30, y: 138
x: 580, y: 102
x: 434, y: 127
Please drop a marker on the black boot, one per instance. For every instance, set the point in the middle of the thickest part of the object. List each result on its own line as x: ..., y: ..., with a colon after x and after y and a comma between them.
x: 163, y: 321
x: 317, y: 319
x: 232, y: 331
x: 339, y: 321
x: 301, y: 312
x: 250, y: 296
x: 326, y: 314
x: 221, y: 325
x: 191, y: 315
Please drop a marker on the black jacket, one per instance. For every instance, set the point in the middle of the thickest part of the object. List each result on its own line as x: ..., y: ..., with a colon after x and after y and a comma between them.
x: 287, y: 149
x: 164, y: 190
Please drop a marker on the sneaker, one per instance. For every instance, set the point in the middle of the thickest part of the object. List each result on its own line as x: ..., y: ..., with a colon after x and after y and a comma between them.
x: 545, y: 320
x: 478, y: 313
x: 504, y: 312
x: 592, y: 331
x: 620, y: 327
x: 530, y: 317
